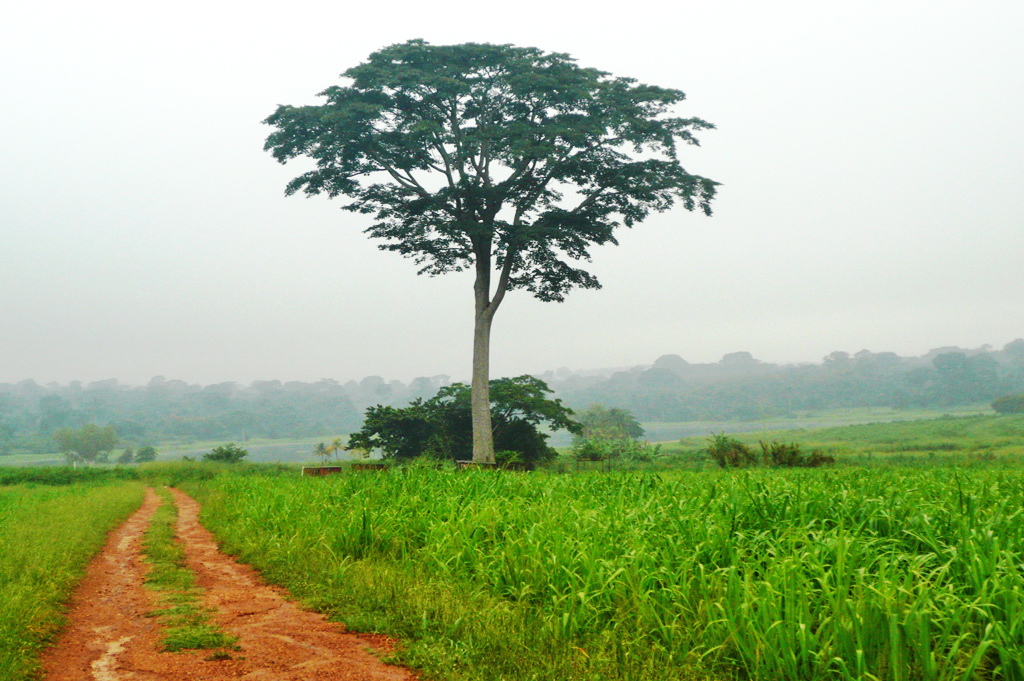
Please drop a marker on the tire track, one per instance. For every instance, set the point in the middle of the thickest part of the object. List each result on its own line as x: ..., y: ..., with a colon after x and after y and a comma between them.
x: 111, y: 638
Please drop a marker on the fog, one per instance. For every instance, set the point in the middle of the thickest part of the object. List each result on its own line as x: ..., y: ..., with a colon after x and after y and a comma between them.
x: 870, y: 155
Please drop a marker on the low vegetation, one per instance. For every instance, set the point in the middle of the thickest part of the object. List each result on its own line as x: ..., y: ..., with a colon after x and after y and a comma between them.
x: 729, y: 452
x: 772, y: 575
x: 1009, y: 404
x: 63, y: 475
x: 229, y: 453
x: 782, y: 455
x: 900, y: 562
x: 48, y: 534
x: 950, y: 440
x: 187, y: 624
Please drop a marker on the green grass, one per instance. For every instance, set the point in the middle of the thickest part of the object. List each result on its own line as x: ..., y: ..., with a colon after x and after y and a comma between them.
x: 65, y: 475
x: 964, y: 441
x: 31, y: 460
x: 890, y: 574
x: 47, y: 537
x: 187, y: 624
x: 816, y: 420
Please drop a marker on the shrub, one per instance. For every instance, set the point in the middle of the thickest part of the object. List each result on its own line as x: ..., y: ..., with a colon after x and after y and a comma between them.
x: 145, y: 454
x: 229, y: 453
x: 782, y: 455
x: 590, y: 450
x: 728, y: 452
x: 597, y: 449
x: 637, y: 450
x: 522, y: 416
x: 1009, y: 404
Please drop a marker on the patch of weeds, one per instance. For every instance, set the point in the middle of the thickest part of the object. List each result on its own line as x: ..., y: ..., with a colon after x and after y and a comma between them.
x: 218, y: 656
x: 187, y: 624
x: 729, y: 452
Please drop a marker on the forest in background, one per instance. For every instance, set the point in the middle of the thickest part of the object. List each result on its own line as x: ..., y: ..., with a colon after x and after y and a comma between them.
x: 739, y: 387
x: 743, y: 388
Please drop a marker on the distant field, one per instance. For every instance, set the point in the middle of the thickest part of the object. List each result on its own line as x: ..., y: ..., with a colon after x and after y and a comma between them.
x: 664, y: 432
x: 300, y: 450
x: 32, y: 460
x: 948, y: 439
x: 287, y: 450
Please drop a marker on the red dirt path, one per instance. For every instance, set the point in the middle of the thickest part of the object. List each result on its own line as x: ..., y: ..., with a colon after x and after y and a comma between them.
x: 110, y: 638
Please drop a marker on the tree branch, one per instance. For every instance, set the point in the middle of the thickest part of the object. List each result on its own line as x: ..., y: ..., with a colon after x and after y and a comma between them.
x: 589, y: 200
x: 503, y: 279
x: 408, y: 183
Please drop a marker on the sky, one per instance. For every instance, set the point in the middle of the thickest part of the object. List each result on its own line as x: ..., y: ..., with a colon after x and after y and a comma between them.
x: 871, y: 156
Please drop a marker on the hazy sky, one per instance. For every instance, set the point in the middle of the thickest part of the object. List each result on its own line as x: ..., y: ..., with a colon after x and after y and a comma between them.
x: 871, y: 155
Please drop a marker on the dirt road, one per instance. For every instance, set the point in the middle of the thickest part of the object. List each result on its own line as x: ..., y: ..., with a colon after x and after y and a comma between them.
x: 110, y: 637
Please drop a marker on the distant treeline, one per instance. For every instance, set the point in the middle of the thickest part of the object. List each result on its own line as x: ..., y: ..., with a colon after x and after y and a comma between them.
x: 165, y: 410
x: 741, y: 387
x: 672, y: 389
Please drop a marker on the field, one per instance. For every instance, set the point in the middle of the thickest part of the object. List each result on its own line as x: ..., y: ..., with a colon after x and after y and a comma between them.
x: 902, y: 562
x: 827, y: 418
x: 47, y: 535
x: 959, y: 440
x: 297, y: 450
x: 852, y: 574
x: 300, y: 450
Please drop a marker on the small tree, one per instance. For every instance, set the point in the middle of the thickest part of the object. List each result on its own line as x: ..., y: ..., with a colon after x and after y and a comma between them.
x: 126, y: 456
x: 507, y: 161
x: 609, y: 423
x: 782, y: 455
x: 90, y: 443
x: 442, y: 427
x: 229, y: 453
x: 145, y: 454
x: 611, y: 433
x: 728, y: 452
x: 321, y: 451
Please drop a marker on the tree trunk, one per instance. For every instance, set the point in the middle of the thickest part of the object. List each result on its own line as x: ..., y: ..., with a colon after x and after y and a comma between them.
x: 486, y: 306
x: 480, y: 391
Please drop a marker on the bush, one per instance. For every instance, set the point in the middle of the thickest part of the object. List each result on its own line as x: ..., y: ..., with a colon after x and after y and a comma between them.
x: 62, y: 475
x: 728, y: 452
x: 145, y: 454
x: 442, y: 427
x: 229, y: 453
x: 782, y: 455
x: 1009, y: 404
x: 590, y: 450
x: 596, y: 449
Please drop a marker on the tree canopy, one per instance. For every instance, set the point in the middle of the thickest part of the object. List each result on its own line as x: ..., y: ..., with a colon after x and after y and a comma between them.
x: 609, y: 423
x: 90, y: 443
x: 533, y: 158
x: 509, y: 161
x: 145, y: 453
x: 229, y: 453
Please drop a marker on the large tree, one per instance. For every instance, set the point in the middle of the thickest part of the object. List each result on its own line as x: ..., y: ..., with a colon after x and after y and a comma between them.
x: 505, y: 160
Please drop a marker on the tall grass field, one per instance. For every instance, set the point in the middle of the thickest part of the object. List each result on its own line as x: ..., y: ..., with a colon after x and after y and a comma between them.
x: 852, y: 573
x: 47, y: 536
